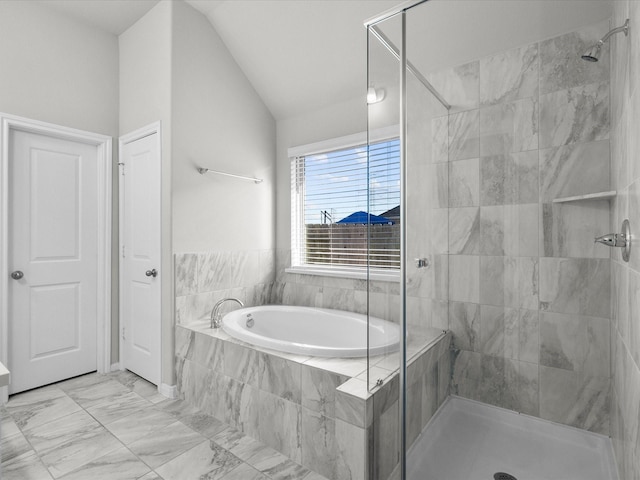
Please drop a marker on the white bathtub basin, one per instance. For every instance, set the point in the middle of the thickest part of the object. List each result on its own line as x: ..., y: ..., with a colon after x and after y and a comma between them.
x: 319, y: 332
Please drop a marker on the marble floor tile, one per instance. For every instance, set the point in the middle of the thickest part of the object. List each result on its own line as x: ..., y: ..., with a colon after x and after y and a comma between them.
x: 165, y: 444
x: 118, y: 406
x: 108, y: 390
x: 120, y: 464
x: 244, y: 472
x: 27, y: 466
x: 59, y: 432
x: 13, y: 447
x: 138, y: 425
x: 206, y: 460
x: 37, y: 407
x: 75, y: 453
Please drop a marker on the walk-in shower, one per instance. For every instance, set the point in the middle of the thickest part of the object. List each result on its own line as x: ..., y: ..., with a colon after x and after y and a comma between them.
x: 506, y: 179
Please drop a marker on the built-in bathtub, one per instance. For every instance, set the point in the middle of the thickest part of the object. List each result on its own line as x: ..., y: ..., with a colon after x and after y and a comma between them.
x: 319, y: 411
x: 319, y: 332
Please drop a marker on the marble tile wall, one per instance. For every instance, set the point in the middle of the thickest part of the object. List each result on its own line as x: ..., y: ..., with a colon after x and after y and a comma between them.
x: 625, y: 277
x: 317, y: 412
x: 203, y: 278
x: 529, y: 292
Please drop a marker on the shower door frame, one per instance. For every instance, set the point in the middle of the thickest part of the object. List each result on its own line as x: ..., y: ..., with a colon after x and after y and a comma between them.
x: 401, y: 54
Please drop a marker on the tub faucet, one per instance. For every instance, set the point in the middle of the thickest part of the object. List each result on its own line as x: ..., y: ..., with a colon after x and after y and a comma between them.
x: 216, y: 318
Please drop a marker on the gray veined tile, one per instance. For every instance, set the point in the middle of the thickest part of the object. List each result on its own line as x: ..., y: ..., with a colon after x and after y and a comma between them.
x: 464, y: 183
x: 319, y: 387
x: 579, y: 114
x: 118, y: 406
x: 561, y: 67
x: 244, y: 472
x: 464, y: 135
x: 136, y: 384
x: 509, y: 75
x: 281, y: 377
x: 13, y: 447
x: 464, y: 321
x: 319, y: 447
x: 464, y: 231
x: 8, y: 427
x: 91, y: 395
x: 568, y: 229
x: 73, y: 427
x: 440, y: 140
x: 572, y: 285
x: 458, y: 85
x: 75, y: 449
x: 203, y: 424
x: 186, y: 274
x: 40, y: 406
x: 163, y: 445
x: 576, y: 169
x: 205, y: 460
x: 26, y: 466
x: 132, y: 427
x: 499, y: 331
x: 279, y: 425
x: 120, y: 464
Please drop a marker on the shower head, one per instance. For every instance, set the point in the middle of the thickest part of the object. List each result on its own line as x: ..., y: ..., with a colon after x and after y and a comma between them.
x: 593, y: 54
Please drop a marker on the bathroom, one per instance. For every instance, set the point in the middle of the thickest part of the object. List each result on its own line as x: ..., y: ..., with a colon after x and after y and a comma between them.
x: 541, y: 320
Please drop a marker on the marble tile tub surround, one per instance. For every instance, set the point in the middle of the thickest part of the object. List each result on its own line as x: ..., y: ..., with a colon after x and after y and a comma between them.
x: 118, y: 427
x: 316, y: 411
x: 203, y: 278
x: 625, y: 305
x: 529, y: 292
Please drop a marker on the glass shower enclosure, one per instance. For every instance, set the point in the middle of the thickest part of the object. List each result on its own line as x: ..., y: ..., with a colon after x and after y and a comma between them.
x: 501, y: 297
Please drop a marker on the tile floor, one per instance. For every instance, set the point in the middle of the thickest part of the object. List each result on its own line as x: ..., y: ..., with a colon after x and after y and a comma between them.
x: 117, y: 427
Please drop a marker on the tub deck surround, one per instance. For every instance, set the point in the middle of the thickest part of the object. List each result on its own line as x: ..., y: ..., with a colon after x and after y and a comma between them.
x: 317, y: 411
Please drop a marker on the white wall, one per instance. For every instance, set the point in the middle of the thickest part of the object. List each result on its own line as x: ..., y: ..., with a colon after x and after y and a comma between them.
x: 219, y: 122
x: 145, y: 97
x: 58, y: 70
x: 336, y: 121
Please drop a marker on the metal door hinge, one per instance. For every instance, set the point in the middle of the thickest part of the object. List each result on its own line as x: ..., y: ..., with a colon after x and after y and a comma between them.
x: 122, y: 169
x: 122, y: 251
x: 123, y: 336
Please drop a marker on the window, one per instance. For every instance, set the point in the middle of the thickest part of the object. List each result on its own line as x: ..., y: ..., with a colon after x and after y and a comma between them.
x: 340, y: 205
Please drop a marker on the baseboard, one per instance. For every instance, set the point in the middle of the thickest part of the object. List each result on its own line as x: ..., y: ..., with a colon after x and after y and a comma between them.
x: 115, y: 367
x: 169, y: 391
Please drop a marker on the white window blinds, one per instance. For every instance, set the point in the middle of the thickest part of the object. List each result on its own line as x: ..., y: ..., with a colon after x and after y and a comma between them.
x: 345, y: 212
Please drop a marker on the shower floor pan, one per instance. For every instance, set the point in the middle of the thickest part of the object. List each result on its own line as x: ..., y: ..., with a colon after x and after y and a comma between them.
x: 467, y: 440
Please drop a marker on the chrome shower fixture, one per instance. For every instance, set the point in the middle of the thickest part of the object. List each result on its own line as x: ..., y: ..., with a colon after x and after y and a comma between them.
x: 593, y: 54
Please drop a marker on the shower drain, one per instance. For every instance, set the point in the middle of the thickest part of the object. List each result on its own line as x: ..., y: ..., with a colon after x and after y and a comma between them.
x: 503, y: 476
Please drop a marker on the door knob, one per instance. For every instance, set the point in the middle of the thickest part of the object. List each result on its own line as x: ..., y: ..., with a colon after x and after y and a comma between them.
x: 151, y: 273
x: 17, y: 275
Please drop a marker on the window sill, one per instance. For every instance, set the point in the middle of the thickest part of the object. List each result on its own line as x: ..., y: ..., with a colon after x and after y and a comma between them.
x: 376, y: 274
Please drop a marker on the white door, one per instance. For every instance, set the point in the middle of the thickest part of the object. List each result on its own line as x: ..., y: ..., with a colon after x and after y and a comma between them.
x: 53, y: 255
x: 140, y: 257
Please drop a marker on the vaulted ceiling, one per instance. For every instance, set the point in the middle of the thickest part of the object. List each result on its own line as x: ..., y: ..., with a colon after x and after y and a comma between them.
x: 303, y: 55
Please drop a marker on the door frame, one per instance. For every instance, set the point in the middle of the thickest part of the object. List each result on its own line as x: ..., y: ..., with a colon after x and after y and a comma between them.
x: 152, y: 128
x: 103, y: 143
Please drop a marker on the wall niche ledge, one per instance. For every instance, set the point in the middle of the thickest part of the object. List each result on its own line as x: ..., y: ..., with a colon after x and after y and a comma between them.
x: 590, y: 196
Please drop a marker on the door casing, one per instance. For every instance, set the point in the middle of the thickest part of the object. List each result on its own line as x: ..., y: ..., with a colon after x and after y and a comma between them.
x: 104, y: 150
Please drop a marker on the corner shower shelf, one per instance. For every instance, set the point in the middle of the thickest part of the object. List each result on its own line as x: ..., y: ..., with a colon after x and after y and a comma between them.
x: 590, y: 196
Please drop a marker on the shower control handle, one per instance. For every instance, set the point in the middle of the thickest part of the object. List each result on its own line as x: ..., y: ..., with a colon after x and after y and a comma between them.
x: 17, y: 275
x: 621, y: 240
x: 151, y: 273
